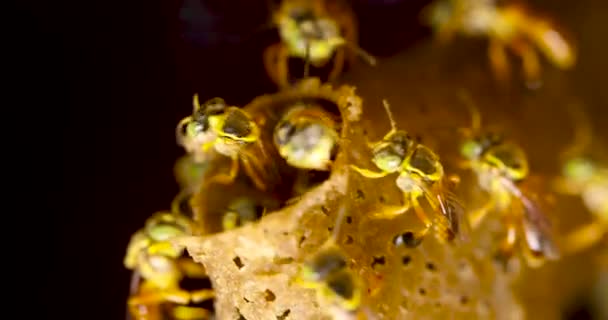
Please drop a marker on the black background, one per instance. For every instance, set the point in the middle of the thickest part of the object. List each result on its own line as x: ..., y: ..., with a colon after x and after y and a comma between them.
x: 123, y: 77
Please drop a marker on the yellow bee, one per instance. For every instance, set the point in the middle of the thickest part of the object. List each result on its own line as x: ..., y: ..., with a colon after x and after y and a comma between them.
x: 306, y: 137
x: 189, y: 173
x: 510, y: 26
x: 584, y: 177
x: 501, y: 167
x: 328, y: 272
x: 421, y: 174
x: 231, y: 132
x: 153, y: 258
x: 313, y: 30
x: 246, y: 209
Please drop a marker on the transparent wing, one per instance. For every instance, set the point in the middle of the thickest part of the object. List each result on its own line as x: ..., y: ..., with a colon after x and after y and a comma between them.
x: 133, y: 289
x: 450, y: 208
x: 536, y: 225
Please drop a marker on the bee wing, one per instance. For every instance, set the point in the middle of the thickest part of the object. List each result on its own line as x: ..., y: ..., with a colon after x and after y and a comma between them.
x: 451, y: 209
x: 536, y: 225
x: 133, y: 289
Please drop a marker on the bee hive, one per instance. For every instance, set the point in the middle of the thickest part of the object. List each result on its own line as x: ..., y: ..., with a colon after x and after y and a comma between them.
x: 252, y: 268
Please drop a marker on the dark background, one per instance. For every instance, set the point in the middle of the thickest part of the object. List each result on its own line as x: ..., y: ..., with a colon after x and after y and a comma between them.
x: 129, y: 71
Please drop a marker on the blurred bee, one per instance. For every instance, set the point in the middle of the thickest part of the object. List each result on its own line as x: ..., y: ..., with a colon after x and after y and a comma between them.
x: 231, y: 132
x: 153, y: 258
x: 328, y: 273
x: 501, y: 167
x: 316, y: 31
x: 584, y: 177
x: 307, y: 137
x: 420, y: 175
x: 510, y: 26
x: 189, y: 173
x: 246, y: 209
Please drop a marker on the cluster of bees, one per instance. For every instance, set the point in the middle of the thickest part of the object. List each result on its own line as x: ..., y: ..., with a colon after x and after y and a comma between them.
x: 278, y: 148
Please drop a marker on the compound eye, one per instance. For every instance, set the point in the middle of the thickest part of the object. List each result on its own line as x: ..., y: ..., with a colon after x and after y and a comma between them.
x: 284, y: 132
x: 237, y: 124
x: 388, y: 160
x: 424, y: 161
x: 299, y: 15
x: 401, y: 142
x: 471, y: 149
x: 214, y: 106
x: 195, y: 128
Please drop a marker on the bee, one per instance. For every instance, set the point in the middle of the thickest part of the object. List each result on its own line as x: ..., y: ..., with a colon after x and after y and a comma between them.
x: 154, y: 259
x: 189, y: 174
x: 421, y: 174
x: 231, y: 132
x: 316, y: 31
x: 306, y: 137
x: 328, y: 273
x: 586, y: 178
x: 501, y: 168
x: 510, y: 26
x: 244, y: 210
x: 583, y: 176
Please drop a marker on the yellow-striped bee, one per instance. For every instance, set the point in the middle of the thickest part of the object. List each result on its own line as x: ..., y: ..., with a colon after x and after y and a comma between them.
x: 421, y: 175
x: 588, y: 178
x: 161, y: 267
x: 510, y: 26
x: 307, y: 137
x: 315, y: 31
x: 328, y: 273
x: 501, y: 167
x: 230, y: 131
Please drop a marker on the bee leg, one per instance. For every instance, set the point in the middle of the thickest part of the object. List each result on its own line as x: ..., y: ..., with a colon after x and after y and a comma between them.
x: 368, y: 173
x: 477, y: 215
x: 190, y: 313
x: 154, y: 297
x: 253, y: 174
x: 391, y: 211
x: 584, y: 237
x: 454, y: 180
x: 428, y: 224
x: 345, y: 19
x: 530, y: 62
x: 499, y: 60
x: 338, y: 65
x: 201, y: 295
x: 192, y: 269
x: 462, y: 164
x: 505, y: 250
x: 223, y: 178
x: 140, y: 311
x: 563, y: 186
x: 276, y: 60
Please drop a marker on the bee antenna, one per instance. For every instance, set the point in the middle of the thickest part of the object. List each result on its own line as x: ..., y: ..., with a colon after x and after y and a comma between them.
x: 361, y: 53
x: 387, y: 107
x: 180, y: 129
x: 582, y: 132
x: 475, y: 114
x: 195, y: 102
